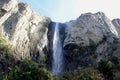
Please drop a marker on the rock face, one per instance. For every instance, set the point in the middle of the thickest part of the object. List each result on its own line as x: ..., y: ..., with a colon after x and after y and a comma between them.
x: 24, y: 29
x: 86, y: 40
x: 116, y: 23
x: 89, y: 39
x: 89, y: 27
x: 116, y: 52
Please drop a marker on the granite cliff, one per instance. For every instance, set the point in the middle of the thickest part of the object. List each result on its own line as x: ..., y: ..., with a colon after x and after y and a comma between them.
x: 23, y: 28
x: 89, y: 39
x: 86, y: 40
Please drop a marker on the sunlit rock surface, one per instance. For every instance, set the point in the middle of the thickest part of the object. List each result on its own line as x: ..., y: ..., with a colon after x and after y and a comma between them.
x: 23, y: 28
x: 89, y: 39
x: 89, y: 27
x: 116, y: 23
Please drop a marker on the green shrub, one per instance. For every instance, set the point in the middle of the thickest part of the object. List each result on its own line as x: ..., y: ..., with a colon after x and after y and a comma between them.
x: 6, y: 59
x: 92, y: 46
x: 29, y: 70
x: 114, y: 60
x: 88, y: 73
x: 42, y: 59
x: 5, y: 77
x: 84, y: 75
x: 66, y: 76
x: 4, y: 48
x: 107, y: 69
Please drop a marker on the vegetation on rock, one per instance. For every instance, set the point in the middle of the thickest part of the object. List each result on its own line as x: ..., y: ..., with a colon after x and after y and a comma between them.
x: 28, y: 70
x: 4, y: 48
x: 107, y: 69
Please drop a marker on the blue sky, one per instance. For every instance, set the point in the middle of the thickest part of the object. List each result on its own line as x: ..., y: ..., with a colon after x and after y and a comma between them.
x: 65, y: 10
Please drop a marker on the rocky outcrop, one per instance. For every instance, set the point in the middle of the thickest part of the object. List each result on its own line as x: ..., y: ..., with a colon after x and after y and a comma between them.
x: 23, y: 28
x: 116, y: 23
x: 89, y: 39
x: 89, y: 27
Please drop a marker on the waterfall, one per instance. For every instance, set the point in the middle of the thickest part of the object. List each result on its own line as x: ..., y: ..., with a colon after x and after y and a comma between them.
x: 57, y: 52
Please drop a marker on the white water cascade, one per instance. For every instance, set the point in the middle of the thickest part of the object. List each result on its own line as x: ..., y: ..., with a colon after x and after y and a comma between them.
x: 57, y: 52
